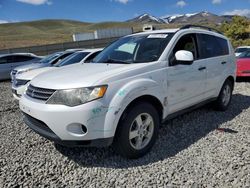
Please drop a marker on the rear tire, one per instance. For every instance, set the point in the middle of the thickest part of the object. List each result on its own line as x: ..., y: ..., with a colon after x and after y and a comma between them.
x: 224, y: 99
x: 137, y: 131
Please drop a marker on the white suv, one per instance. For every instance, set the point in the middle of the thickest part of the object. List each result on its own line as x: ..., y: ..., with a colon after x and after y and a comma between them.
x: 131, y: 87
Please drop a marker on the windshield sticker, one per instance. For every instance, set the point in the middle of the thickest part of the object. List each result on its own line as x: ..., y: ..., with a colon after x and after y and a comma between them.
x: 157, y: 36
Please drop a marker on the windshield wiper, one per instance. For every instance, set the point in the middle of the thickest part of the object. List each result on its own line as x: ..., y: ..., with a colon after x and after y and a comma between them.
x: 115, y: 61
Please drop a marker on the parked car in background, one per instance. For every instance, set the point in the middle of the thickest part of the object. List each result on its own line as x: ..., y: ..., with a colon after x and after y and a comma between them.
x: 20, y: 83
x: 10, y: 61
x: 243, y: 64
x: 241, y: 49
x: 49, y: 60
x: 132, y: 85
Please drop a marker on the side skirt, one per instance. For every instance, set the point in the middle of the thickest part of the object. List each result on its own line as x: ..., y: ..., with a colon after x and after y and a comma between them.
x: 184, y: 111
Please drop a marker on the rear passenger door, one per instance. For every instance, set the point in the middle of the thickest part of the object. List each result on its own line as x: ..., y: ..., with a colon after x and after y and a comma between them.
x: 214, y: 51
x: 186, y: 83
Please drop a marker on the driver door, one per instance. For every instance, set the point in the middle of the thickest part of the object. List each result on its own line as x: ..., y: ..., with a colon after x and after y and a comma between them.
x: 185, y: 83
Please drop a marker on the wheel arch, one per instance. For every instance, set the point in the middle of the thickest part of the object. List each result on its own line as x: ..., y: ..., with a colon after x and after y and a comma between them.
x: 155, y: 102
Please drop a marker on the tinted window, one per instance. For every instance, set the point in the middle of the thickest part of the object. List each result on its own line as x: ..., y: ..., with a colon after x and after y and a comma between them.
x: 3, y: 60
x: 245, y: 54
x: 240, y: 50
x: 211, y: 46
x: 91, y: 57
x: 60, y: 58
x: 73, y: 58
x: 50, y: 57
x: 21, y: 58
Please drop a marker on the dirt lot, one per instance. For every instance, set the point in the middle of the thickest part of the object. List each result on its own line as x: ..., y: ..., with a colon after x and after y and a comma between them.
x: 191, y: 152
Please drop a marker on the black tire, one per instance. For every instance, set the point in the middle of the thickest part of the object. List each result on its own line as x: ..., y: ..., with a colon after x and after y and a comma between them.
x: 219, y: 104
x: 123, y: 143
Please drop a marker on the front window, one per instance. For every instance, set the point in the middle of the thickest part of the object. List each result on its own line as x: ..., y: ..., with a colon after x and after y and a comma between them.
x: 49, y: 58
x: 73, y: 58
x: 135, y: 49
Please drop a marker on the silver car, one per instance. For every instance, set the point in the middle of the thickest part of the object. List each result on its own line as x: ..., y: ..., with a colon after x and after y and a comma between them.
x: 9, y: 61
x: 48, y: 61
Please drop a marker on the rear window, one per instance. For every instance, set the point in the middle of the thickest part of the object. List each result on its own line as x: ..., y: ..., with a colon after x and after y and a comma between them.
x: 212, y: 46
x: 245, y: 54
x: 240, y: 50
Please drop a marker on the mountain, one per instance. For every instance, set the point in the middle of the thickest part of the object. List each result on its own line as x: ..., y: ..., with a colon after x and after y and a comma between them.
x: 147, y: 18
x: 192, y: 18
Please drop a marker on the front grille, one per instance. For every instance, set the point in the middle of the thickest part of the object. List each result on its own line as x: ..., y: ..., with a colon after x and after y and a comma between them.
x: 39, y: 93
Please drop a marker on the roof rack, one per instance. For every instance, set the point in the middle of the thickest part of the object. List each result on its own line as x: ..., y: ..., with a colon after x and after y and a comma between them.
x: 200, y: 26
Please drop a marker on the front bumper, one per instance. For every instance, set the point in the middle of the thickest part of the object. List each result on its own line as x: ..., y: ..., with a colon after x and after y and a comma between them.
x: 64, y: 124
x: 42, y: 129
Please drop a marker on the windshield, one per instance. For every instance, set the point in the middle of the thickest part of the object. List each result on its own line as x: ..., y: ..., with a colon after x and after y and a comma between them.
x: 73, y: 58
x: 240, y: 50
x: 49, y: 58
x: 135, y: 49
x: 245, y: 54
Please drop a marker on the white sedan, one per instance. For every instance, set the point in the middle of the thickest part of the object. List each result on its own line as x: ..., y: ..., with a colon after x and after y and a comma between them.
x: 20, y: 83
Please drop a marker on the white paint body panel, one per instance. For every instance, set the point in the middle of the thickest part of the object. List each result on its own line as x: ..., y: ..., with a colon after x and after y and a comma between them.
x: 182, y: 85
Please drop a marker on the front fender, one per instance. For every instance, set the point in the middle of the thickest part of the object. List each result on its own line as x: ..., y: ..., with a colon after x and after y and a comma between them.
x: 125, y: 95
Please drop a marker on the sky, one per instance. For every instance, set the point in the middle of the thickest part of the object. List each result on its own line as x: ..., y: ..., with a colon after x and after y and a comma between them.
x: 112, y: 10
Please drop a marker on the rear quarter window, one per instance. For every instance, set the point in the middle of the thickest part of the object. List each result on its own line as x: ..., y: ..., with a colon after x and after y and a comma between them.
x: 212, y: 46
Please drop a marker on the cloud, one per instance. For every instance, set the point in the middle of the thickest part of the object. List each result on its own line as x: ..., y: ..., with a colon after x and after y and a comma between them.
x: 36, y: 2
x: 122, y: 1
x: 216, y: 2
x: 181, y: 4
x: 240, y: 12
x: 3, y: 21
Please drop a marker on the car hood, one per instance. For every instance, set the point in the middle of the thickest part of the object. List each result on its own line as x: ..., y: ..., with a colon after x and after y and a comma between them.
x: 29, y: 75
x: 84, y: 75
x: 30, y: 66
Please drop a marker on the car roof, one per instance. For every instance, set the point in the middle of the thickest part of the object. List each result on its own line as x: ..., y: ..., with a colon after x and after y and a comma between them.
x: 161, y: 31
x: 196, y: 30
x: 243, y: 47
x: 28, y: 54
x: 90, y: 50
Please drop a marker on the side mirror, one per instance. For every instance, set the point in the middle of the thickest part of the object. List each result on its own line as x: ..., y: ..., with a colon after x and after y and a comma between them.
x: 184, y: 57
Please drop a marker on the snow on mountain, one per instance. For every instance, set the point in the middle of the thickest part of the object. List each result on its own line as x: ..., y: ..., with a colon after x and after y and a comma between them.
x: 200, y: 17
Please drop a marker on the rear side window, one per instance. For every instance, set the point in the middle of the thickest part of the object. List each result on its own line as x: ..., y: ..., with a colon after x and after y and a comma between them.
x: 212, y: 46
x: 21, y: 58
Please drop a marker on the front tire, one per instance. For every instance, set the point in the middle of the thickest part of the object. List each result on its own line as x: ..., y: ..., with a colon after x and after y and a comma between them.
x: 224, y: 99
x: 137, y: 131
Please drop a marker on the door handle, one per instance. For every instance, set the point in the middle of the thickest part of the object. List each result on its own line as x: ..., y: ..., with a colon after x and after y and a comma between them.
x: 224, y: 62
x: 202, y: 68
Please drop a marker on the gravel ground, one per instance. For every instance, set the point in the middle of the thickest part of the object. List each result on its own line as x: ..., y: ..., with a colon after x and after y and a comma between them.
x: 191, y: 152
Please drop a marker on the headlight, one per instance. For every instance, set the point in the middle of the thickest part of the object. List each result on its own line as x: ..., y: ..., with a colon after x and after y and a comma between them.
x: 75, y: 97
x: 18, y: 82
